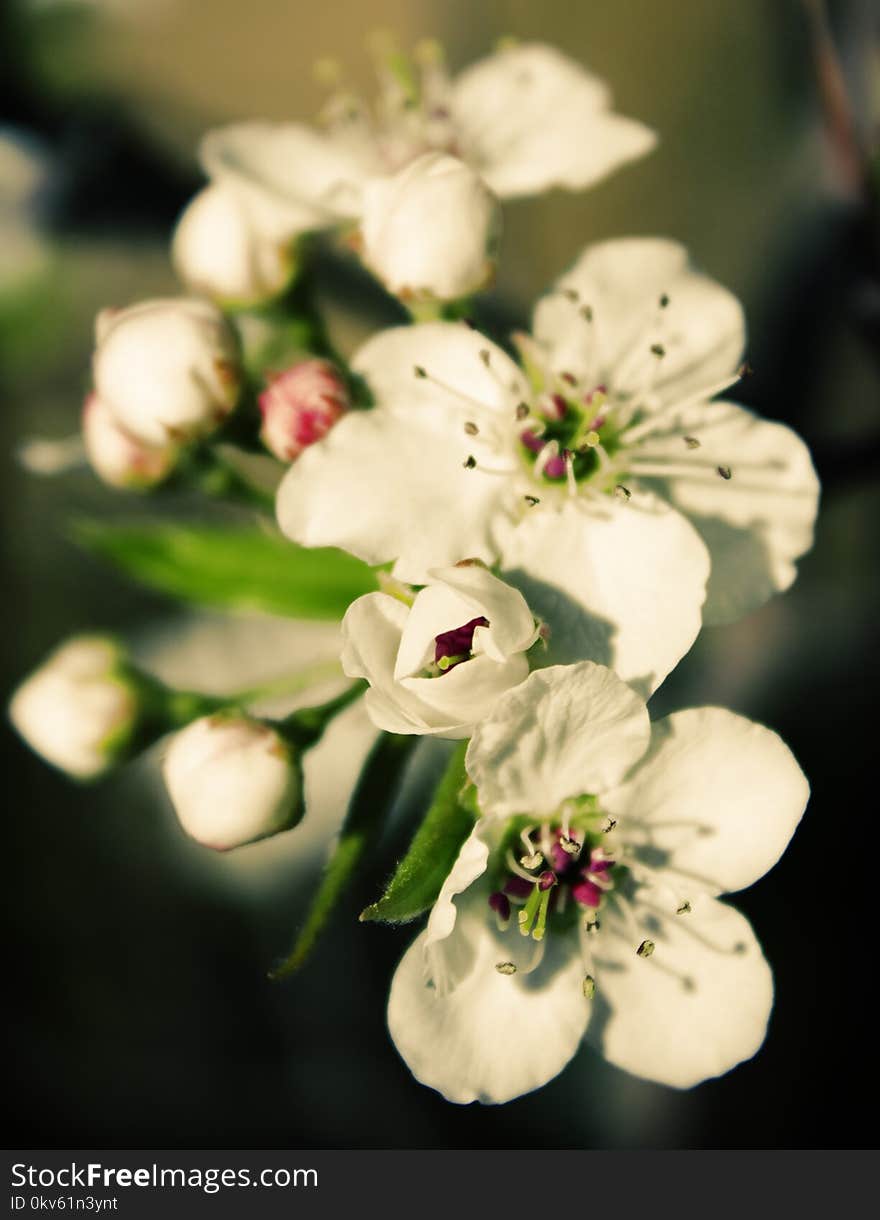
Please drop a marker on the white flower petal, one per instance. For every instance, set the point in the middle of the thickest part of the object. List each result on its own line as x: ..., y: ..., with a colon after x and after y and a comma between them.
x: 530, y: 118
x: 511, y: 623
x: 436, y: 609
x: 478, y: 376
x: 565, y: 732
x: 313, y: 182
x: 386, y: 489
x: 695, y: 1008
x: 701, y: 329
x: 757, y: 522
x: 717, y: 798
x: 371, y: 631
x: 622, y: 585
x: 449, y: 964
x: 494, y: 1036
x: 455, y: 702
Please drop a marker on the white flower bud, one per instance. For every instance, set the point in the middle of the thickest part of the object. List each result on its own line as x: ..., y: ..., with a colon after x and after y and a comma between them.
x: 167, y: 369
x: 439, y: 666
x: 232, y: 250
x: 301, y: 405
x: 118, y: 458
x: 232, y: 779
x: 79, y: 709
x: 431, y: 231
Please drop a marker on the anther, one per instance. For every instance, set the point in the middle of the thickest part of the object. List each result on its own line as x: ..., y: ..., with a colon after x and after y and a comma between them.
x: 724, y: 471
x: 645, y: 949
x: 535, y: 860
x: 569, y: 378
x: 523, y: 410
x: 505, y: 967
x: 531, y: 501
x: 692, y: 442
x: 658, y: 350
x: 592, y: 926
x: 419, y: 371
x: 683, y: 909
x: 485, y: 356
x: 471, y: 428
x: 469, y: 462
x: 570, y: 294
x: 622, y: 493
x: 586, y: 312
x: 610, y: 823
x: 570, y: 846
x: 664, y: 300
x: 589, y: 986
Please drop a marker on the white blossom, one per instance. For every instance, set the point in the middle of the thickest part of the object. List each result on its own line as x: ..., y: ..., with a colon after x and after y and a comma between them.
x: 524, y: 119
x: 232, y: 779
x: 167, y: 369
x: 438, y: 660
x: 232, y: 249
x: 79, y: 709
x: 585, y: 902
x: 611, y: 418
x: 118, y: 458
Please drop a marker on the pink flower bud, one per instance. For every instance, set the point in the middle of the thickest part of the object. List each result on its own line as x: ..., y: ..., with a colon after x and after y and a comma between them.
x: 118, y: 458
x: 300, y: 406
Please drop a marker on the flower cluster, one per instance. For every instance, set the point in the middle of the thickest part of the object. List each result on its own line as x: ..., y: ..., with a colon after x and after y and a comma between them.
x: 528, y: 533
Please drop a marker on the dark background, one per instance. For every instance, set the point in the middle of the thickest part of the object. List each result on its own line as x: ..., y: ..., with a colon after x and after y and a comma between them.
x: 139, y: 1013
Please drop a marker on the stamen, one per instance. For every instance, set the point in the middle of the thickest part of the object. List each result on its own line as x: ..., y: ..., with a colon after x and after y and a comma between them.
x: 505, y: 967
x: 646, y: 948
x: 589, y: 986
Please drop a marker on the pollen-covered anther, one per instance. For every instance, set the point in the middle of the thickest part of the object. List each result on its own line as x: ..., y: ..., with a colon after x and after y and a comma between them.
x: 646, y: 948
x: 531, y: 501
x: 505, y: 967
x: 622, y: 493
x: 725, y: 472
x: 532, y: 861
x: 469, y: 462
x: 683, y: 908
x: 658, y: 350
x: 610, y: 823
x: 420, y: 372
x: 589, y: 986
x: 570, y: 846
x: 471, y: 428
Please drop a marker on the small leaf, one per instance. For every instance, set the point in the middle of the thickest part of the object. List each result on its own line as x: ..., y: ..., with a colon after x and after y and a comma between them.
x: 366, y: 813
x: 234, y: 568
x: 420, y: 874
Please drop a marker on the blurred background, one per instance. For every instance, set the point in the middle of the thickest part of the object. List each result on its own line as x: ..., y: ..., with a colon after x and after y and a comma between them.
x: 139, y: 1011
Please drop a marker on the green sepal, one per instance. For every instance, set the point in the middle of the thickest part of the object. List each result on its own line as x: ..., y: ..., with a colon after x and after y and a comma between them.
x: 363, y: 823
x: 416, y: 882
x: 234, y: 568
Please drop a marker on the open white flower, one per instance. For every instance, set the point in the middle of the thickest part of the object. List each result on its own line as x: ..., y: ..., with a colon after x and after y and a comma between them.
x: 612, y: 416
x: 437, y: 662
x: 585, y: 900
x: 80, y: 708
x: 525, y: 119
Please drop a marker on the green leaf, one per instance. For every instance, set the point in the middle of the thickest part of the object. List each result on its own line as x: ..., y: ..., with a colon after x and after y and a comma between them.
x: 366, y: 813
x: 417, y: 880
x: 234, y: 568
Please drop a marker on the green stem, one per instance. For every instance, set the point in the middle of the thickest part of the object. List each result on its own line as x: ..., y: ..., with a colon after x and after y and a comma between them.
x: 366, y: 812
x: 305, y: 726
x: 216, y: 477
x: 292, y: 683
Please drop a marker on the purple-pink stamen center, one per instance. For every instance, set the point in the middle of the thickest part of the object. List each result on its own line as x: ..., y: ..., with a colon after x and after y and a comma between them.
x: 459, y: 641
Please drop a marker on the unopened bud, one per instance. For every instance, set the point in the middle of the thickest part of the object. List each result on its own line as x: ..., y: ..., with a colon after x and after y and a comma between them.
x: 232, y: 779
x: 232, y: 250
x: 79, y: 710
x: 431, y: 231
x: 167, y: 369
x: 300, y: 406
x: 118, y: 458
